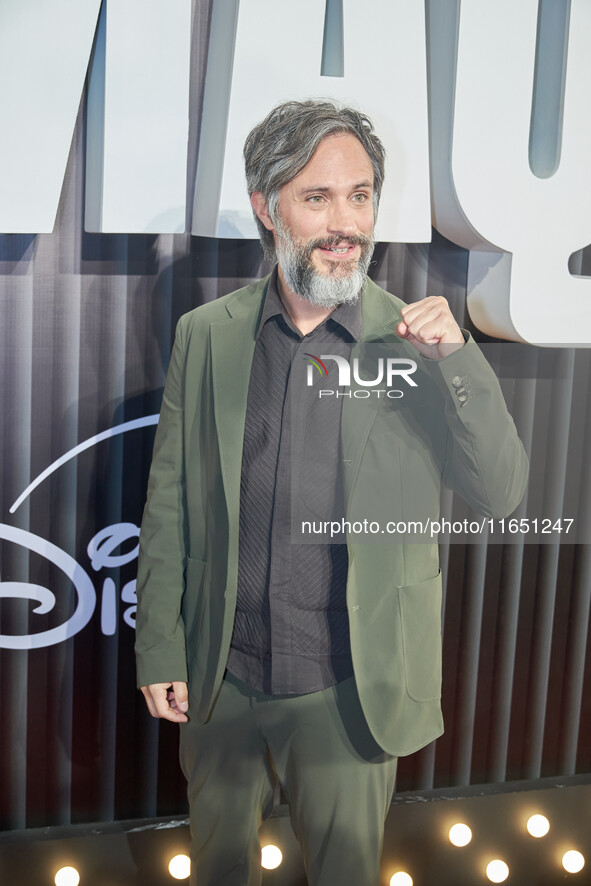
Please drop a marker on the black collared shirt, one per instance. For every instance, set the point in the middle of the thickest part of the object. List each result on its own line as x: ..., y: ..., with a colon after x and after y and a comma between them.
x: 291, y: 630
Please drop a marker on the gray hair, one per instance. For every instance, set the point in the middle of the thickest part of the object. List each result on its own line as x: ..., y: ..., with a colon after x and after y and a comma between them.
x: 277, y: 149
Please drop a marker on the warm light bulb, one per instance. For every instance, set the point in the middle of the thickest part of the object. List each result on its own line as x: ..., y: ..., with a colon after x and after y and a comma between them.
x: 573, y: 861
x: 67, y: 877
x: 179, y: 867
x: 538, y: 825
x: 460, y: 834
x: 271, y: 857
x: 497, y: 871
x: 401, y: 878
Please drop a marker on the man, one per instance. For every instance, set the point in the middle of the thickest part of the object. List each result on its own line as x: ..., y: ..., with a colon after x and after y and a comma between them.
x: 309, y: 666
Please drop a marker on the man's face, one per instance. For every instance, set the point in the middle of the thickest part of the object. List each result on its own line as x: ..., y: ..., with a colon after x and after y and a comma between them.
x: 324, y: 228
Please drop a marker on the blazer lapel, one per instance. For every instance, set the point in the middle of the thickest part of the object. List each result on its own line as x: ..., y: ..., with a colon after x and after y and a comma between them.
x: 232, y: 350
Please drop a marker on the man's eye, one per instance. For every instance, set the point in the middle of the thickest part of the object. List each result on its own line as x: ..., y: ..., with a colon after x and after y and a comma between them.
x: 360, y: 198
x: 316, y: 198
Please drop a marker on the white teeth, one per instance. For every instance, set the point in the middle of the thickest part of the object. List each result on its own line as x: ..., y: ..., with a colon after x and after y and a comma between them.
x: 341, y: 249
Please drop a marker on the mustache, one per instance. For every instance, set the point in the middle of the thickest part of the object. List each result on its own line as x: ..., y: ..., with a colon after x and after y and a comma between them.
x: 335, y: 240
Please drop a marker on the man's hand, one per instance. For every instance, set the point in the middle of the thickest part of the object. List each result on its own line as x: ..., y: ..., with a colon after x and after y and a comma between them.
x: 167, y: 700
x: 430, y: 327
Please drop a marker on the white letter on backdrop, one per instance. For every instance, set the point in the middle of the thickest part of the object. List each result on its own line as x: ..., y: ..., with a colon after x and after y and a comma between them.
x: 138, y: 118
x: 520, y: 228
x: 263, y: 52
x: 45, y: 46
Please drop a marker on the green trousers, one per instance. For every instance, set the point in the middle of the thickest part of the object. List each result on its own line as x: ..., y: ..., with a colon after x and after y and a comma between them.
x: 337, y: 780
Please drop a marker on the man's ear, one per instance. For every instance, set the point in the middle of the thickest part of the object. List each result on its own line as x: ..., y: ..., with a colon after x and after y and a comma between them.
x: 259, y: 204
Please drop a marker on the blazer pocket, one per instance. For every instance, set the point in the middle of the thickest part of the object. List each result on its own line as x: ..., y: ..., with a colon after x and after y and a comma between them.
x: 420, y: 617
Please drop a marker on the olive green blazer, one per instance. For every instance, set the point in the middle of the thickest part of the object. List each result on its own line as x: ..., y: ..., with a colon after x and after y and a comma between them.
x: 396, y: 454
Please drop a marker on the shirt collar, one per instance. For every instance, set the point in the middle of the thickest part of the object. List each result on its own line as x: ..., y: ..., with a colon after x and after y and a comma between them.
x: 347, y: 315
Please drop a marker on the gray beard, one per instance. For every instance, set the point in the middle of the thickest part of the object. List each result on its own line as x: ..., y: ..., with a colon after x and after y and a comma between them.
x: 338, y: 286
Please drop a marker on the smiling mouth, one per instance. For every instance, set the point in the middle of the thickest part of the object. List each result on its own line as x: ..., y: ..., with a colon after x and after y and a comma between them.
x: 338, y: 250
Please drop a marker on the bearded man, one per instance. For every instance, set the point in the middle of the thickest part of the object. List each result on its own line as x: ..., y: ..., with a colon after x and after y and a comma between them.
x: 309, y: 666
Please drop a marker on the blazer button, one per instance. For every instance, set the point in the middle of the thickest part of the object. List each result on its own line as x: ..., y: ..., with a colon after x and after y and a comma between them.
x: 456, y: 381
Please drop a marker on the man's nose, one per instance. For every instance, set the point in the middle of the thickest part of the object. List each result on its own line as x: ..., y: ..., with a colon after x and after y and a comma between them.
x: 341, y: 219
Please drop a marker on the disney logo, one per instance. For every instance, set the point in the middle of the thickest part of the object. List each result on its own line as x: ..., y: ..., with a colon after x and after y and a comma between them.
x: 102, y: 551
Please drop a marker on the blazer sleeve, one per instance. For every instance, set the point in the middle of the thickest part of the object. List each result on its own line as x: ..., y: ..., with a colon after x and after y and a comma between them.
x: 160, y: 637
x: 484, y: 458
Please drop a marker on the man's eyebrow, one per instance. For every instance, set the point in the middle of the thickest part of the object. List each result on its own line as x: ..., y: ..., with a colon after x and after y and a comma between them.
x: 317, y: 188
x: 323, y: 189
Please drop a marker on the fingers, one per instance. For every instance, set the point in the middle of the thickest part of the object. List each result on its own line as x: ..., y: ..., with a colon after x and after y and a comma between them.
x: 178, y: 697
x: 168, y: 701
x: 429, y: 322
